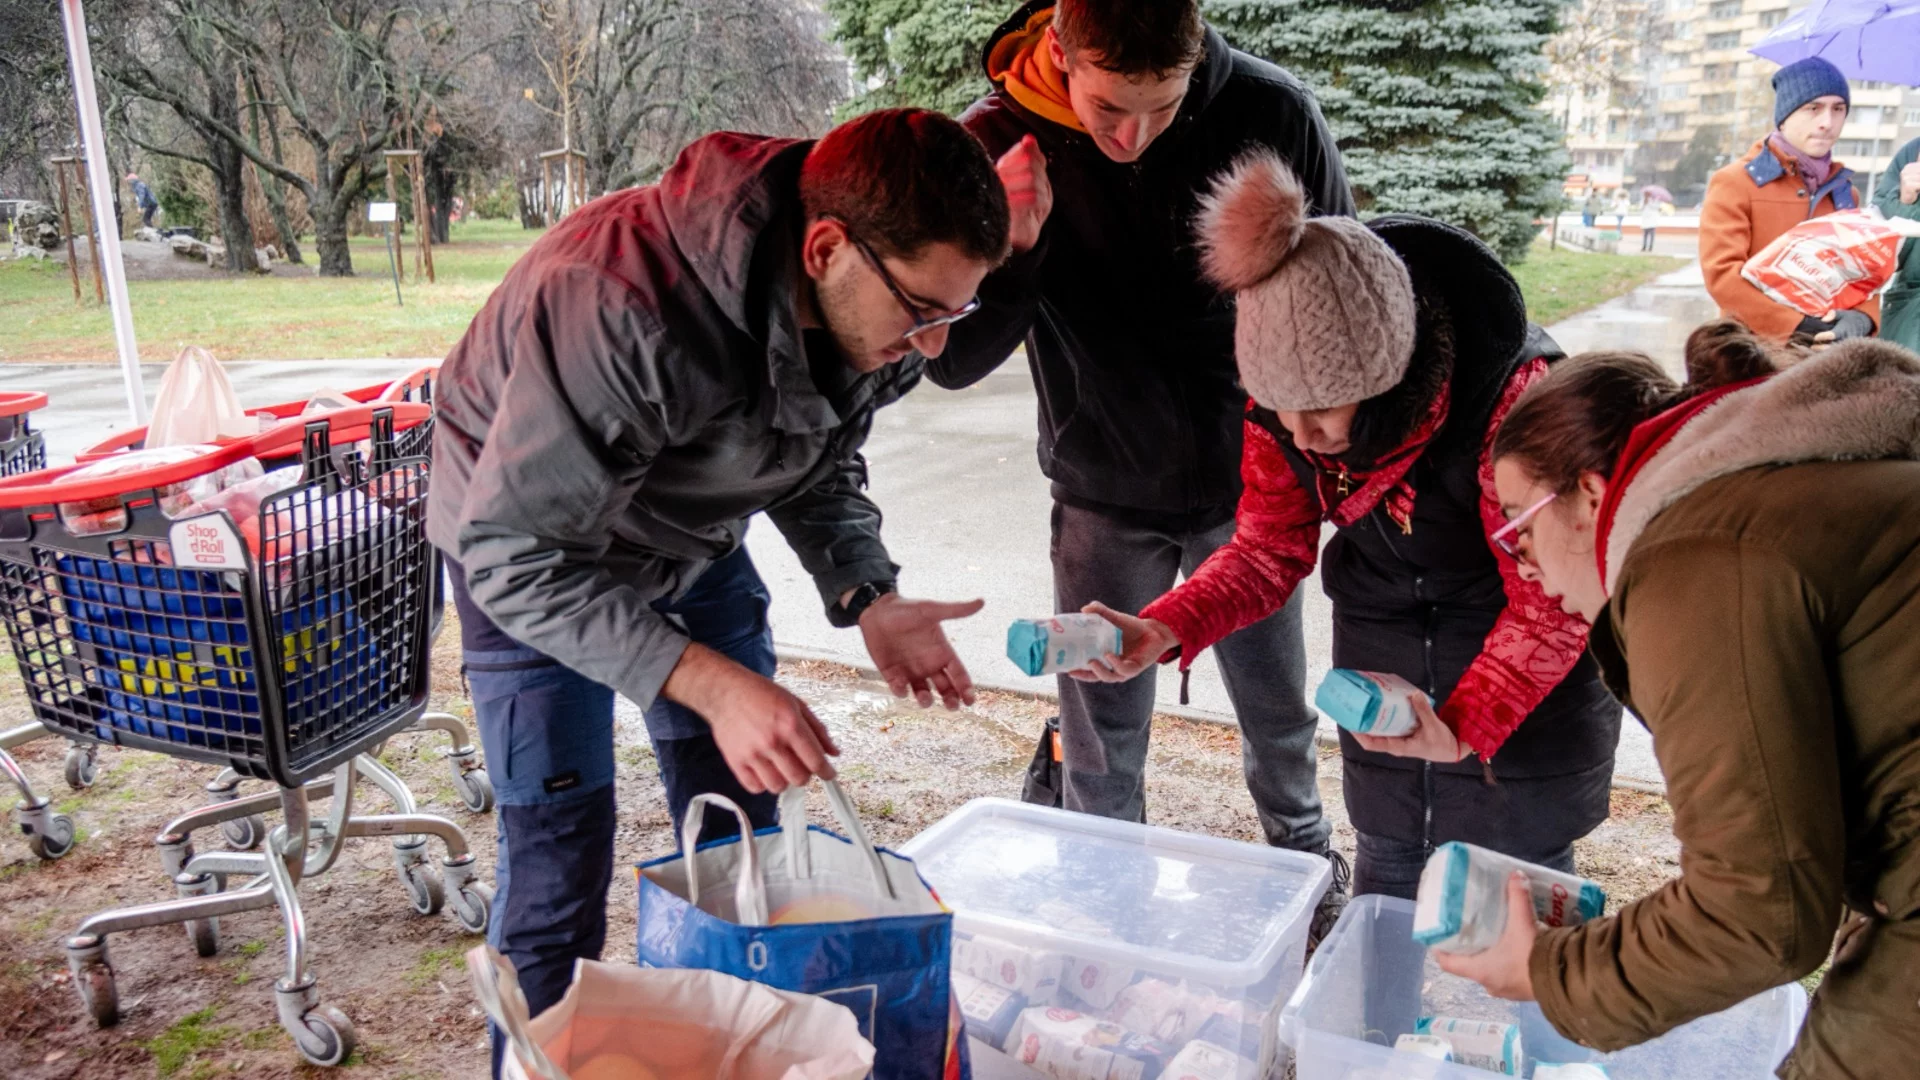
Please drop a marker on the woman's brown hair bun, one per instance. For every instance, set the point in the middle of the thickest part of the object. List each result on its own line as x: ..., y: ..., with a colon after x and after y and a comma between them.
x: 1725, y: 352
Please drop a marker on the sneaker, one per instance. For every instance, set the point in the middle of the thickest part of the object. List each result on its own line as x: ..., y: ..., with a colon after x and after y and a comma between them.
x: 1333, y: 903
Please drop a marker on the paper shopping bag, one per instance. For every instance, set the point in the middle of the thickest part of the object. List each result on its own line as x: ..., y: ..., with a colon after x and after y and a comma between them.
x: 804, y: 909
x: 626, y: 1023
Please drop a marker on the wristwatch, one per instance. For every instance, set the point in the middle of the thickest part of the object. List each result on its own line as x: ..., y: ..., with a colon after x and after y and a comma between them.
x: 844, y: 616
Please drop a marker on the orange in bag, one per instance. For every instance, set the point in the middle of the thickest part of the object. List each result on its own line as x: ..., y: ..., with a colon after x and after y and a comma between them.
x: 1830, y: 264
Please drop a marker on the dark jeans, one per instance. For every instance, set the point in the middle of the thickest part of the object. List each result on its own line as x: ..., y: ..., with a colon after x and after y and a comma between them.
x: 1392, y: 867
x: 548, y: 736
x: 1104, y: 727
x: 146, y: 215
x: 1646, y: 239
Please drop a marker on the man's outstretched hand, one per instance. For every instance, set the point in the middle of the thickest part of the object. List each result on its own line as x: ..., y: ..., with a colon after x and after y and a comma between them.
x: 769, y: 737
x: 912, y: 652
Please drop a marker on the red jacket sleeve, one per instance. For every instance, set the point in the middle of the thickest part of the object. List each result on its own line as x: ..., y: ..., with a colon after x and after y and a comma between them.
x: 1533, y: 644
x: 1275, y: 542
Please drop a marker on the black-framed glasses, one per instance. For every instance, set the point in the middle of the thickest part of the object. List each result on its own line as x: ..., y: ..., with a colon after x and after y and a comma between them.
x: 921, y: 324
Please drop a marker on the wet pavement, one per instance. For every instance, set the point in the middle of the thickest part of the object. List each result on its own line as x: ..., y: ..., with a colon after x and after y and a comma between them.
x: 967, y: 509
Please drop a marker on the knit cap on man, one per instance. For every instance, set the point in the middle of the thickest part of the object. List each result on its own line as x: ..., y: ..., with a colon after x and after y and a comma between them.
x: 1803, y: 81
x: 1326, y: 312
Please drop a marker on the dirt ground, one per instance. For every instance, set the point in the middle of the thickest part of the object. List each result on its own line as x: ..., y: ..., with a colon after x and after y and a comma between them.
x: 400, y: 977
x: 148, y: 261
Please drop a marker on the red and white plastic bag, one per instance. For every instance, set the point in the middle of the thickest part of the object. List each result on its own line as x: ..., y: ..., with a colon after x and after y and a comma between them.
x: 1831, y: 263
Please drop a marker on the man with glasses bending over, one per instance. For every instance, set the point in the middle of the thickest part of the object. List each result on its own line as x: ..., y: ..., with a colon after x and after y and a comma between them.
x: 662, y: 366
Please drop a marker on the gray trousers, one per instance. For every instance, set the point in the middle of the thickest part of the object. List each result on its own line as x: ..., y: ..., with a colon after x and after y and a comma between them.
x: 1104, y: 727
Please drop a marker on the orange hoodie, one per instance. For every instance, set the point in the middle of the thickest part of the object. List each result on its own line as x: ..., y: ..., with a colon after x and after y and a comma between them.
x: 1021, y: 64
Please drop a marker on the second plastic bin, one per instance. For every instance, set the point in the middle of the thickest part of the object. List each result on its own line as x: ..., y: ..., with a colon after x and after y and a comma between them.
x: 1370, y: 981
x: 1168, y: 934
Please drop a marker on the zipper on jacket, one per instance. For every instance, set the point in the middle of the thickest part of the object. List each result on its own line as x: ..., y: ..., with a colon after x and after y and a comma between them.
x: 1426, y: 767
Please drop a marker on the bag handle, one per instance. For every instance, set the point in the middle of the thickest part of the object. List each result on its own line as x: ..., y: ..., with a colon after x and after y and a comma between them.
x: 749, y: 890
x: 793, y: 828
x: 497, y: 986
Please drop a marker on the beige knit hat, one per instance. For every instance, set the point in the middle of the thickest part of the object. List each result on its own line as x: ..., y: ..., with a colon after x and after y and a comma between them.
x: 1326, y: 313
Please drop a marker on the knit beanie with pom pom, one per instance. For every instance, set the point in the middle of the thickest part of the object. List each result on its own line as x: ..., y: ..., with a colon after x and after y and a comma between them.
x: 1326, y: 313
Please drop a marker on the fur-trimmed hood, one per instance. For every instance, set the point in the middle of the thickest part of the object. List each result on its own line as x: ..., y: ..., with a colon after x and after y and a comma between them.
x: 1858, y: 401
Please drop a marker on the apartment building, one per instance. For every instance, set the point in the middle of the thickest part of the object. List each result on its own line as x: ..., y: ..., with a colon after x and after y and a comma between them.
x: 1686, y: 96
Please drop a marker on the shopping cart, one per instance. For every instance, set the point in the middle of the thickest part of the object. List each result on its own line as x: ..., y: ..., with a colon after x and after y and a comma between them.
x: 49, y: 835
x: 470, y: 780
x: 283, y: 647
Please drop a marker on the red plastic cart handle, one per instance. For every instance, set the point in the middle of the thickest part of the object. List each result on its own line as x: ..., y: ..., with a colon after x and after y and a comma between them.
x: 18, y: 402
x: 343, y: 426
x: 49, y: 486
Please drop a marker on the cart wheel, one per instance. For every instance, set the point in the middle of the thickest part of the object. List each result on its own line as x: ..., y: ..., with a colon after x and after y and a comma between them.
x: 55, y: 841
x: 244, y: 834
x: 205, y: 935
x: 98, y: 994
x: 424, y: 887
x: 474, y: 908
x: 80, y: 768
x: 327, y: 1038
x: 476, y: 790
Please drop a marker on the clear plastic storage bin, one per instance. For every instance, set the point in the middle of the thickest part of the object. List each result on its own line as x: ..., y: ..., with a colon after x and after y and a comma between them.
x: 1171, y: 938
x: 1370, y: 981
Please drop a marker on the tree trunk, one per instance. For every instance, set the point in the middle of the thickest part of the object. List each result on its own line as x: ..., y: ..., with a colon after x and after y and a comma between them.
x: 441, y: 183
x: 330, y: 209
x: 271, y: 186
x: 229, y: 171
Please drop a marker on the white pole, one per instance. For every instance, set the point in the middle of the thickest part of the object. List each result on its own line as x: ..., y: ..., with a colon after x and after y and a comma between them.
x: 106, y: 226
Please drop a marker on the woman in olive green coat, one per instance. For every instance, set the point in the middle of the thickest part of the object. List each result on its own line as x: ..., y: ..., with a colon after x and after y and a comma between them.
x: 1747, y: 549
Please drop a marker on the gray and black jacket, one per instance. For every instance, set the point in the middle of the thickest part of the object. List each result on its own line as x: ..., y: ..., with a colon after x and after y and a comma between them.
x: 636, y: 389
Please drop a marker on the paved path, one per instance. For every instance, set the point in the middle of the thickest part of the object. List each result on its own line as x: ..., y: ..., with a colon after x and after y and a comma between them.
x: 967, y: 509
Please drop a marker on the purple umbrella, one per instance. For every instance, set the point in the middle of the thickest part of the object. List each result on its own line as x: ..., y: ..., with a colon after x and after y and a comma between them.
x: 1656, y: 193
x: 1868, y: 40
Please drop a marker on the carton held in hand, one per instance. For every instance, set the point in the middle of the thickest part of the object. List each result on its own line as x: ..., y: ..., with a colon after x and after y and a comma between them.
x: 1462, y: 906
x: 1369, y: 702
x: 1062, y: 643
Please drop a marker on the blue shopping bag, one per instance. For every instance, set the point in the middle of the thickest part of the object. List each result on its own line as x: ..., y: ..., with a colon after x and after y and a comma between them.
x: 803, y: 909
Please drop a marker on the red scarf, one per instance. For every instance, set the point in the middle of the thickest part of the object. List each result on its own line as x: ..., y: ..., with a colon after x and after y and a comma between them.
x: 1387, y: 481
x: 1648, y: 439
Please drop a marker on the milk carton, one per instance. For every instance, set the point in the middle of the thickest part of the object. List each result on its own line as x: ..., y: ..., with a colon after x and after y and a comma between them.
x: 1369, y: 702
x: 1462, y: 906
x: 1062, y: 643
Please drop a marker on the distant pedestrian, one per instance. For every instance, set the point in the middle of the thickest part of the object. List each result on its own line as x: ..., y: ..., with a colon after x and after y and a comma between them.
x: 1590, y: 209
x: 1898, y: 195
x: 143, y: 195
x: 1786, y: 178
x: 1649, y: 222
x: 1621, y: 204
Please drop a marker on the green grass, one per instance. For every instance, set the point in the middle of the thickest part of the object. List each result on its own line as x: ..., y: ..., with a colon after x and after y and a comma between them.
x: 189, y: 1035
x: 267, y: 317
x: 296, y: 318
x: 1563, y: 282
x: 433, y: 963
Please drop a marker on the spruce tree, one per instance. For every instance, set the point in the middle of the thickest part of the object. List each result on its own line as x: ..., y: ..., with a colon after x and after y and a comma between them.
x: 916, y: 52
x: 1435, y: 105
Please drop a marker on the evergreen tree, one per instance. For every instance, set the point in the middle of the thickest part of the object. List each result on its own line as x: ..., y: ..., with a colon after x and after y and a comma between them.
x: 1434, y: 104
x: 916, y: 52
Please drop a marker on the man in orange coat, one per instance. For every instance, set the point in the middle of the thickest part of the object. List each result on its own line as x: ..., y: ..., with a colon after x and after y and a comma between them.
x: 1787, y: 178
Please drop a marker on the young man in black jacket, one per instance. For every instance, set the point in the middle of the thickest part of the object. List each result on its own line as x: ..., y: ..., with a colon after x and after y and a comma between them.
x: 1127, y: 109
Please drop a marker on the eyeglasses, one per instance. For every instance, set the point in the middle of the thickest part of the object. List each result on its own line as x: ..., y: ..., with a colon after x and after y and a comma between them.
x: 1507, y: 537
x: 921, y: 324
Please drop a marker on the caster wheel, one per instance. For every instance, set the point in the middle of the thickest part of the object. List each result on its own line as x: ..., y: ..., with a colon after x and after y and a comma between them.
x: 244, y: 834
x: 80, y: 768
x: 424, y: 888
x: 327, y: 1038
x: 98, y: 994
x: 474, y: 908
x: 205, y: 935
x: 476, y: 790
x: 56, y: 841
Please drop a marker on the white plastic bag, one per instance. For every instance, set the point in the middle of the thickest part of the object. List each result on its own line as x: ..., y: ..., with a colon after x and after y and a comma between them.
x: 196, y: 403
x: 619, y: 1022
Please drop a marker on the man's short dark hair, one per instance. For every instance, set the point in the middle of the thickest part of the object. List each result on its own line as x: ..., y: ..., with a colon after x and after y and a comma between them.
x: 1132, y: 37
x: 901, y: 179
